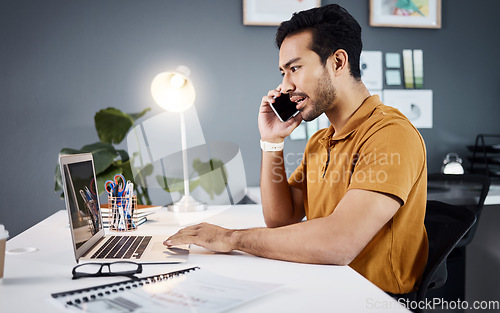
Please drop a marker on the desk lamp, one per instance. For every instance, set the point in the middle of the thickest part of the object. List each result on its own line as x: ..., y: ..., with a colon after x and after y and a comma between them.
x: 174, y: 92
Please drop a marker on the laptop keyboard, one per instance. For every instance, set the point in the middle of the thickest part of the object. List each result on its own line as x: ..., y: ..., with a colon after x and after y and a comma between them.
x: 123, y: 247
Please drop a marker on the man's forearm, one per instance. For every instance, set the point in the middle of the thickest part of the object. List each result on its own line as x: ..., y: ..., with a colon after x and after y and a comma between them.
x: 308, y: 242
x: 277, y: 201
x: 314, y: 241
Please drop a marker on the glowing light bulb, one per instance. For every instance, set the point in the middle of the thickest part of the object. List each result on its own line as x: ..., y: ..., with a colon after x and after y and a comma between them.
x: 177, y: 81
x: 173, y: 91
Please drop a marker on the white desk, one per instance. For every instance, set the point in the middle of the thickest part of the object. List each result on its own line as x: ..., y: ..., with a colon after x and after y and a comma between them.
x: 30, y: 278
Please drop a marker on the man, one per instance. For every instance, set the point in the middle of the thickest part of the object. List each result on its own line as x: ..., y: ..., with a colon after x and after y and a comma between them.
x: 362, y: 181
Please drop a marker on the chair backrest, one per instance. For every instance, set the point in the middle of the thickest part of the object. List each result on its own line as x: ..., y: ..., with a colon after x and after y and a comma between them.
x: 464, y: 190
x: 446, y: 224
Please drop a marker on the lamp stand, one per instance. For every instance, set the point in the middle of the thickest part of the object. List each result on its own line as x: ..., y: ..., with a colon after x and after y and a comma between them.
x: 187, y: 203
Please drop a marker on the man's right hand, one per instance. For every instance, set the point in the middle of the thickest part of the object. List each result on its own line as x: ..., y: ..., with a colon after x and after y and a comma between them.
x: 270, y: 127
x: 281, y: 206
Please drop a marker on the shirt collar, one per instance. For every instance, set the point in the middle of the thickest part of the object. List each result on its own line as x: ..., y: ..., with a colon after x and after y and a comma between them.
x: 359, y: 116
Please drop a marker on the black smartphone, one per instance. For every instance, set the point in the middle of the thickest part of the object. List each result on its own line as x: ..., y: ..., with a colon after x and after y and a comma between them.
x: 284, y: 107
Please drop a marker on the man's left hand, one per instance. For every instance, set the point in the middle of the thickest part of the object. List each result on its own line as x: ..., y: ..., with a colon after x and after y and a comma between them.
x: 206, y: 235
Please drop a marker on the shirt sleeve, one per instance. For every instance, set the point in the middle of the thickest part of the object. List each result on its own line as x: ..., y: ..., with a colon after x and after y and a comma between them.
x: 390, y: 160
x: 297, y: 179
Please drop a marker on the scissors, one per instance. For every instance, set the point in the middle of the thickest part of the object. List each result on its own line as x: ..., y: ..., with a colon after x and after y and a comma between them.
x: 92, y: 187
x: 115, y: 188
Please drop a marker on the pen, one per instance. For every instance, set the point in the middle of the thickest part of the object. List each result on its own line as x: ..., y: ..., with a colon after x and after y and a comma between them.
x: 129, y: 190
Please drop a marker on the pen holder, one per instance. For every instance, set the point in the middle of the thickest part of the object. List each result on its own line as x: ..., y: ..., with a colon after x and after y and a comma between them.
x: 121, y: 215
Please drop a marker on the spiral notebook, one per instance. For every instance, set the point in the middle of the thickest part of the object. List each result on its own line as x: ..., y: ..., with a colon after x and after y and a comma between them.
x: 189, y: 290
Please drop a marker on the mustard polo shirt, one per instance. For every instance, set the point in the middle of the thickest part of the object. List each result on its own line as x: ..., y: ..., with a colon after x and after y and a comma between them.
x: 379, y: 150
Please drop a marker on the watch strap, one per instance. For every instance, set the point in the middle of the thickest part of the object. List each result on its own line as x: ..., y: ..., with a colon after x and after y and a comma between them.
x: 271, y: 146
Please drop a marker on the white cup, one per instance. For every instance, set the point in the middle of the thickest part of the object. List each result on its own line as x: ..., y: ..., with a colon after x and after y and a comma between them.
x: 4, y: 234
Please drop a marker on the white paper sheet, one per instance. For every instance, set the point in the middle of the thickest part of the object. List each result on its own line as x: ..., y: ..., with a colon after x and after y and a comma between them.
x: 198, y: 291
x: 371, y: 69
x: 416, y: 105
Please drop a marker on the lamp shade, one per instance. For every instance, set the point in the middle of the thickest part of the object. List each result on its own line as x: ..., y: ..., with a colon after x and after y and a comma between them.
x: 173, y: 91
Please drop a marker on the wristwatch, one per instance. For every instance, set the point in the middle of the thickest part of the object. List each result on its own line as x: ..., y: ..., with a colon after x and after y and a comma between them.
x: 271, y: 146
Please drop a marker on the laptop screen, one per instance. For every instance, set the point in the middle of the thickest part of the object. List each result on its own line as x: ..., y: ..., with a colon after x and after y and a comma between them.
x: 82, y: 200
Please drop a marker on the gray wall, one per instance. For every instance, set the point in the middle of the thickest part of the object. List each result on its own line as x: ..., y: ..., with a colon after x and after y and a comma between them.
x: 61, y: 61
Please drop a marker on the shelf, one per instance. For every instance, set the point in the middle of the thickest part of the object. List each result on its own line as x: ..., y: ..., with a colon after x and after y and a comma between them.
x: 485, y: 159
x: 482, y: 171
x: 487, y: 148
x: 482, y: 160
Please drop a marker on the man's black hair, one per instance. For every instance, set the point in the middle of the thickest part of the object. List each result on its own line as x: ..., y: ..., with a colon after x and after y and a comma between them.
x: 332, y: 28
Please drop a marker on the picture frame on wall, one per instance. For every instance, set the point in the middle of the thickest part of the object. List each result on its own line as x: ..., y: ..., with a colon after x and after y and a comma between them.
x: 272, y: 13
x: 405, y: 13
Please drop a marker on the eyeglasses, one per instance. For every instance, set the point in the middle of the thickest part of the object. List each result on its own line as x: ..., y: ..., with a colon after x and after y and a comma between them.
x: 119, y: 268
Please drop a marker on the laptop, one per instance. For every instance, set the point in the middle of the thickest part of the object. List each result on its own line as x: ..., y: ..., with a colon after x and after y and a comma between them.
x: 87, y: 231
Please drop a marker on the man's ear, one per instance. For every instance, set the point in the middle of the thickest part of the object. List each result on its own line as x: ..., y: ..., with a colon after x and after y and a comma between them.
x: 339, y: 62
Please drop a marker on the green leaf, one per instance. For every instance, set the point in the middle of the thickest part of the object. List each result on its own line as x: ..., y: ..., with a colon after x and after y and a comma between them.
x: 212, y: 176
x: 69, y: 151
x: 98, y: 146
x: 127, y: 171
x: 104, y: 155
x: 112, y: 125
x: 58, y: 178
x: 136, y: 116
x: 123, y: 155
x: 170, y: 184
x: 109, y: 174
x: 175, y: 184
x: 142, y: 173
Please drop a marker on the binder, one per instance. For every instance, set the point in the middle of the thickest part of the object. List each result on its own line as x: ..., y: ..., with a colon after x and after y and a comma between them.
x: 418, y: 64
x: 180, y: 291
x: 408, y: 68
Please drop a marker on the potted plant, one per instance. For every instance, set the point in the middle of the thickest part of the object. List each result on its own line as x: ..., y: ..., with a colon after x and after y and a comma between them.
x: 112, y: 126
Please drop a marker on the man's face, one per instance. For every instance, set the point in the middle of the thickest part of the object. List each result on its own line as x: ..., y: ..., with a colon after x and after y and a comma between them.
x: 304, y: 77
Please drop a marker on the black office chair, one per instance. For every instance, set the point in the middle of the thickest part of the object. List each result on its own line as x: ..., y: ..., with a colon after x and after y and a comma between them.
x: 465, y: 190
x: 446, y: 224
